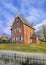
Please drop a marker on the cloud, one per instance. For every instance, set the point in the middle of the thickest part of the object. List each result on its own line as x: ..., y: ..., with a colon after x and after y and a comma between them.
x: 38, y: 26
x: 32, y: 10
x: 1, y: 26
x: 33, y: 3
x: 7, y: 22
x: 6, y: 29
x: 36, y: 16
x: 10, y: 7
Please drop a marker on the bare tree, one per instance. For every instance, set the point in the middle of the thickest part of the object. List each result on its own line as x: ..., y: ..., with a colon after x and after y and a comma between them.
x: 44, y: 31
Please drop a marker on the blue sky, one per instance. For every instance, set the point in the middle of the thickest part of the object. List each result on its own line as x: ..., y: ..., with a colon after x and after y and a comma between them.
x: 32, y: 10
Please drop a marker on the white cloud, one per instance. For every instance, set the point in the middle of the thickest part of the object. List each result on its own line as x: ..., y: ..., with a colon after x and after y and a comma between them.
x: 35, y: 16
x: 1, y: 26
x: 5, y: 30
x: 38, y: 26
x: 26, y: 7
x: 10, y: 7
x: 5, y: 24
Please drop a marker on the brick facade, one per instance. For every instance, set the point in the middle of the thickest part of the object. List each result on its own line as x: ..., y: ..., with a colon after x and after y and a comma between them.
x: 21, y: 32
x: 28, y: 32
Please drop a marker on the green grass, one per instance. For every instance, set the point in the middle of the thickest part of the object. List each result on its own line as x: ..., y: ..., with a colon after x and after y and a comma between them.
x: 41, y: 48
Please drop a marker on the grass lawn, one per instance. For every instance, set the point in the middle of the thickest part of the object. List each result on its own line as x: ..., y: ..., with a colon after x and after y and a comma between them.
x: 25, y: 47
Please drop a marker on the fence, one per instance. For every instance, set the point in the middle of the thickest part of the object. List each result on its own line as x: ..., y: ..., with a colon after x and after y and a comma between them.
x: 22, y: 59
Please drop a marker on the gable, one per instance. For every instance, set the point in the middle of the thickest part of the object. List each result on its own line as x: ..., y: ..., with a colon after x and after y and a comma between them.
x: 22, y: 20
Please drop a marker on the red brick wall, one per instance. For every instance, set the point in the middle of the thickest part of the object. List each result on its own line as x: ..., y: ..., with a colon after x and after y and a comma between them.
x: 28, y: 32
x: 15, y: 26
x: 35, y: 40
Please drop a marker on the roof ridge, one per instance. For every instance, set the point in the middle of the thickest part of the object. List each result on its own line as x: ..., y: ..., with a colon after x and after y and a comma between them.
x: 24, y: 20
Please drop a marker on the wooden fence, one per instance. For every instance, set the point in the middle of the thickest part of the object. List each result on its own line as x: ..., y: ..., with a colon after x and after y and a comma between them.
x: 17, y: 58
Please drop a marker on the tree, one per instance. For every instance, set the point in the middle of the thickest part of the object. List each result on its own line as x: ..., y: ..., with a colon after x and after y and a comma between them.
x: 44, y: 31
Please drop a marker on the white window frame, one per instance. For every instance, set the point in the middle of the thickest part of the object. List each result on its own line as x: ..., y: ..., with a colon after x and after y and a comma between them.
x: 16, y: 39
x: 20, y: 38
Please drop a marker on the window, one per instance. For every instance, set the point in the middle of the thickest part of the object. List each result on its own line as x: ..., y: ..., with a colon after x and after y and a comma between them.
x: 16, y: 39
x: 19, y: 29
x: 15, y: 30
x: 20, y: 38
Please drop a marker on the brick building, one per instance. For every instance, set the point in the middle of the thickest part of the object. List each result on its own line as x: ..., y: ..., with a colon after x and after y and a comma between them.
x: 35, y: 38
x: 21, y: 31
